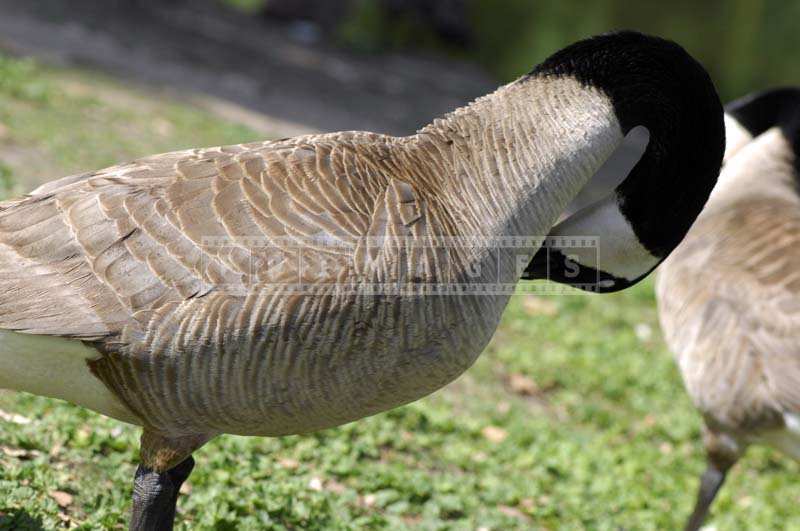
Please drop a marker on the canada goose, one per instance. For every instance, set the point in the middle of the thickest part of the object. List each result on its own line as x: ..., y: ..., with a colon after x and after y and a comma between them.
x: 729, y: 296
x: 159, y: 292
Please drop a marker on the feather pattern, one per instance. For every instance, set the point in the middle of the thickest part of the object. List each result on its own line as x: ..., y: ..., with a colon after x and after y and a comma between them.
x: 729, y: 296
x: 175, y: 268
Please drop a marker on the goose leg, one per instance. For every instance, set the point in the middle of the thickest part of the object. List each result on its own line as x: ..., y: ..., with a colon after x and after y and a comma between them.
x: 166, y: 462
x: 155, y: 495
x: 710, y: 483
x: 722, y: 452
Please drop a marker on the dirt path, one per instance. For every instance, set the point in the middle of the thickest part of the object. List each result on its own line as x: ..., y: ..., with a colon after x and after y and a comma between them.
x: 197, y: 48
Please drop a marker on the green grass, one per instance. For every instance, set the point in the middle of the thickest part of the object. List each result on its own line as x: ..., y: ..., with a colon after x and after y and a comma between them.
x: 573, y: 418
x: 54, y: 123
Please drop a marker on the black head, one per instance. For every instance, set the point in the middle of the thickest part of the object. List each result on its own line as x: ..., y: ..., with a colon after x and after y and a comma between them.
x: 765, y: 109
x: 654, y: 83
x: 752, y: 115
x: 791, y: 130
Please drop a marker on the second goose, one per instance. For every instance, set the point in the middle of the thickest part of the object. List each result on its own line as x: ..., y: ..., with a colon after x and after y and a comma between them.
x: 729, y: 296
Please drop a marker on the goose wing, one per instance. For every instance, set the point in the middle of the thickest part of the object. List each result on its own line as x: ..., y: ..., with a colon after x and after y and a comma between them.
x: 729, y: 302
x: 87, y: 255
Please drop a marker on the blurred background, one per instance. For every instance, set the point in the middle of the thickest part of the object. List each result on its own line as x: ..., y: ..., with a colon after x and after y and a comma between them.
x: 574, y: 417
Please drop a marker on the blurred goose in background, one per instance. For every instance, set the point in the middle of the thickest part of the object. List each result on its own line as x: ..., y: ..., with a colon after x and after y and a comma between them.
x: 729, y: 296
x: 155, y: 292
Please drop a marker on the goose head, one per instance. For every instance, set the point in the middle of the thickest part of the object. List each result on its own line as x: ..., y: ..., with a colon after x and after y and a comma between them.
x: 750, y: 116
x: 762, y: 155
x: 641, y: 203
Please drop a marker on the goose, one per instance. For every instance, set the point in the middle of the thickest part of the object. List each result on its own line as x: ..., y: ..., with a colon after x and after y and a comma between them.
x: 279, y: 287
x: 729, y: 296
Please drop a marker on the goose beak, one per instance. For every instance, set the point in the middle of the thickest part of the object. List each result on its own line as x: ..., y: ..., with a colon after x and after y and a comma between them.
x: 538, y: 267
x: 552, y: 264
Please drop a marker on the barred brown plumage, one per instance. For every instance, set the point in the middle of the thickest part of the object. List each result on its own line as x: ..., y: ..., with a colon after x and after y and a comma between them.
x: 166, y: 289
x: 156, y: 257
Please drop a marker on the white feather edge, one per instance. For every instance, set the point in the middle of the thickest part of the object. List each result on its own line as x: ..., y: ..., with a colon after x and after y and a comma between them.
x: 736, y: 137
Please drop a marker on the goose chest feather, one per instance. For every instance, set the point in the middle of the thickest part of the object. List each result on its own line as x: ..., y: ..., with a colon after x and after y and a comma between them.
x: 157, y: 288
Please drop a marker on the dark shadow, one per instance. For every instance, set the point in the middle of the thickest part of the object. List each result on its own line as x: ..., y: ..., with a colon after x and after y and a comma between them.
x: 225, y: 525
x: 19, y: 520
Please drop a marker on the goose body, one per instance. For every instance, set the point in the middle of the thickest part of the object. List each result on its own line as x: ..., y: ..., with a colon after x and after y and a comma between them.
x: 729, y: 296
x: 194, y: 339
x: 167, y: 288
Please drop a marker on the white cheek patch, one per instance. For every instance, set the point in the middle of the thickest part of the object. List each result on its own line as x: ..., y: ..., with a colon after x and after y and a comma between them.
x: 736, y: 137
x: 618, y: 251
x: 613, y: 171
x: 595, y: 213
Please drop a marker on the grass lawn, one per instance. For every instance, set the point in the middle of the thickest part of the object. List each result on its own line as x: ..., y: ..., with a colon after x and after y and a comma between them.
x: 574, y: 417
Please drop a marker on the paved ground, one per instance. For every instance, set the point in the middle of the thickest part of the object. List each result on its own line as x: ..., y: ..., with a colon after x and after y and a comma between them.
x: 239, y: 59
